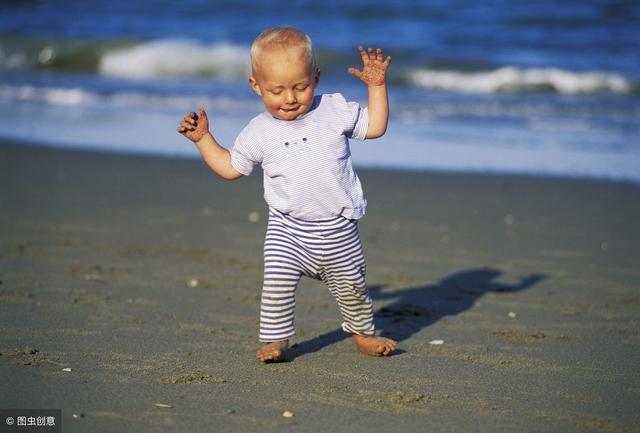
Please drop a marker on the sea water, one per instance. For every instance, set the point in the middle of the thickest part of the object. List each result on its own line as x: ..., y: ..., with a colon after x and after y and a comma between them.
x: 546, y: 87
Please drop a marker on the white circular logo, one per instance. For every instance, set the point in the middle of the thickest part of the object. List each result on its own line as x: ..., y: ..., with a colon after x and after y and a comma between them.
x: 10, y: 420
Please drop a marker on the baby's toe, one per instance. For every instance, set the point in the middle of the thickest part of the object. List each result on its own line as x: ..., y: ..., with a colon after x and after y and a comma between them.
x: 390, y: 347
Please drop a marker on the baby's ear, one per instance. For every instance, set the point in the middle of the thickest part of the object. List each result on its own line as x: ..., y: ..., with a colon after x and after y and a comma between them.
x: 255, y: 86
x: 317, y: 74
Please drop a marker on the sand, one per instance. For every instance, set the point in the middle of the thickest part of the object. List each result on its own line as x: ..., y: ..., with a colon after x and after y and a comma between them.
x: 142, y: 276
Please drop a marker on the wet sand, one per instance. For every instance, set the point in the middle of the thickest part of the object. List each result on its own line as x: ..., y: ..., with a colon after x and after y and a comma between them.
x: 142, y: 275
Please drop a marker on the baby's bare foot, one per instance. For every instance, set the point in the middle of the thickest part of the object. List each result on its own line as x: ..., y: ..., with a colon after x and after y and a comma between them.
x: 273, y: 352
x: 374, y: 346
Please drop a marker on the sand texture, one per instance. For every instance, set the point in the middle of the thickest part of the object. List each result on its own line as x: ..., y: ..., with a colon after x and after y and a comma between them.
x: 142, y: 276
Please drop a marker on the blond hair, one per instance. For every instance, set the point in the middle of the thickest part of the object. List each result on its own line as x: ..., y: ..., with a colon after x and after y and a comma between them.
x: 282, y: 38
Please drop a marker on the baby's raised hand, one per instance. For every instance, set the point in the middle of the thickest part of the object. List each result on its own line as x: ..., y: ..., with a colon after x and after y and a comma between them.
x: 194, y: 127
x: 375, y: 67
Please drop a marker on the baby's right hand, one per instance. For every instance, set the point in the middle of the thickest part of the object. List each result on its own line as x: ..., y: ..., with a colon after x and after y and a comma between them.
x: 194, y: 127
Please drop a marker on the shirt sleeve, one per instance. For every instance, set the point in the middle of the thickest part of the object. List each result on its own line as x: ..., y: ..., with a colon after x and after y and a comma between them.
x: 355, y: 119
x: 246, y: 151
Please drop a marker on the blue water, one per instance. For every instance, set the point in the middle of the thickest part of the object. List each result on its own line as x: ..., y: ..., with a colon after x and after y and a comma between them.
x: 545, y: 87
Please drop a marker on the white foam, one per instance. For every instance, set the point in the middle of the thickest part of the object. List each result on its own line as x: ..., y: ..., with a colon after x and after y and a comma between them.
x: 543, y: 141
x: 153, y: 131
x: 11, y: 60
x: 49, y: 95
x: 62, y: 96
x: 512, y: 79
x: 176, y: 58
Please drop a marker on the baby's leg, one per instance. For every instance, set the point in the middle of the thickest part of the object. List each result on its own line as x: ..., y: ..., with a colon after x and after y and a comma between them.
x: 277, y: 309
x: 357, y: 312
x: 282, y: 272
x: 344, y: 274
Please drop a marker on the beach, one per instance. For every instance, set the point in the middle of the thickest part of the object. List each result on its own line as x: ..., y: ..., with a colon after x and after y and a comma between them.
x: 130, y: 285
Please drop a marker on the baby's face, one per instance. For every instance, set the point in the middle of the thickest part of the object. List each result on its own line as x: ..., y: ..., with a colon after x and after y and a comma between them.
x: 285, y: 81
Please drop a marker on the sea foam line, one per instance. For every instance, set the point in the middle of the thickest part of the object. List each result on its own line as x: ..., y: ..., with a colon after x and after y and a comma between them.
x: 79, y: 97
x: 171, y: 58
x: 518, y: 80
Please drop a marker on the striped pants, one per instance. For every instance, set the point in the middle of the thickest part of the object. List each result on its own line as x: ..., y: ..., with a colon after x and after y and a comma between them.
x: 327, y: 250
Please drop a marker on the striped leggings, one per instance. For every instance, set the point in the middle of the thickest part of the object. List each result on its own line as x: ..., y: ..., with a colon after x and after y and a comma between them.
x: 326, y: 250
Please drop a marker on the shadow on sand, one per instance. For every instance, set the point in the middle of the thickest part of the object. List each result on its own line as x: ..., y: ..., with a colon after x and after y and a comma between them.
x: 415, y: 308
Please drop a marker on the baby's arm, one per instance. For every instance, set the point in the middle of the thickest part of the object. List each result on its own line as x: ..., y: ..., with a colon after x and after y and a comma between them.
x: 196, y: 129
x: 374, y: 75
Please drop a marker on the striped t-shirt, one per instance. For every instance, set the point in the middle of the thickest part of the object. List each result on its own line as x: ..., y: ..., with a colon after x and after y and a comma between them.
x: 306, y: 162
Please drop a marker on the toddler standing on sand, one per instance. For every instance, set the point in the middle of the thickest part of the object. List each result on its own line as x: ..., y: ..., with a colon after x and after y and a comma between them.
x: 315, y: 198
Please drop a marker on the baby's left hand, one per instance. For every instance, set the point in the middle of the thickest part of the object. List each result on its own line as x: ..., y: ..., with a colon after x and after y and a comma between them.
x: 375, y: 68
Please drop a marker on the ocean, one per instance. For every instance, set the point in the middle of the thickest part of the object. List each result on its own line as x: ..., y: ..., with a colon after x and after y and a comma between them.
x: 543, y: 87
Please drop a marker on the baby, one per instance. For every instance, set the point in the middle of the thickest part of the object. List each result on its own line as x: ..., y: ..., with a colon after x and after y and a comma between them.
x: 315, y: 198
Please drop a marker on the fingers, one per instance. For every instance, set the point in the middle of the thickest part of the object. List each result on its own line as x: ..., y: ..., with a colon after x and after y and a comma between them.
x: 380, y: 57
x: 367, y: 55
x: 188, y: 123
x: 183, y: 128
x: 191, y: 118
x: 355, y: 72
x: 192, y: 115
x: 375, y: 54
x: 363, y: 54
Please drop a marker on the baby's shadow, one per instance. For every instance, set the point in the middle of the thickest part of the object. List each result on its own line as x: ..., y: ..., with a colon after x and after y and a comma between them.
x: 415, y: 308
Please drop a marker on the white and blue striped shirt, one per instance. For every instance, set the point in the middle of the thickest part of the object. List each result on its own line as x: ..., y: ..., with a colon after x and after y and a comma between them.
x: 308, y: 173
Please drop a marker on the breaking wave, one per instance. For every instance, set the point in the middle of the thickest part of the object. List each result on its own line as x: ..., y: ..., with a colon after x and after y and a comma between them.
x: 126, y: 59
x: 158, y: 59
x: 176, y: 58
x: 517, y: 80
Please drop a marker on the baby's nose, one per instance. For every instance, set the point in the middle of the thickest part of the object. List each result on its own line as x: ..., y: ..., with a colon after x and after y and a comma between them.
x: 290, y: 97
